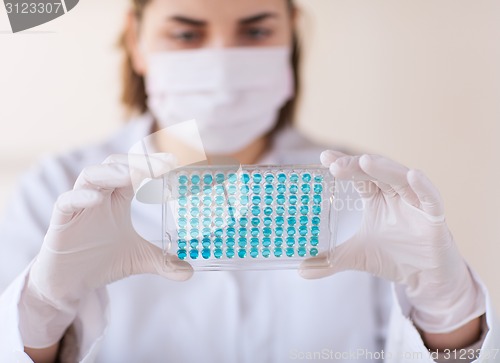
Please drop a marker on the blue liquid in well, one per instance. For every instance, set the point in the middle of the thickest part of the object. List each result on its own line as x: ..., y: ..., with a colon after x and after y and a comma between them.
x: 207, y: 201
x: 267, y: 231
x: 306, y: 188
x: 304, y: 199
x: 205, y: 253
x: 303, y: 220
x: 218, y: 222
x: 205, y: 242
x: 268, y: 200
x: 245, y: 178
x: 255, y: 222
x: 230, y: 232
x: 243, y: 222
x: 232, y: 189
x: 269, y: 178
x: 219, y: 178
x: 314, y: 241
x: 294, y: 178
x: 207, y: 190
x: 230, y: 253
x: 306, y: 177
x: 318, y: 178
x: 195, y: 212
x: 183, y: 190
x: 256, y: 189
x: 268, y: 189
x: 243, y: 232
x: 279, y: 221
x: 255, y: 210
x: 278, y: 251
x: 254, y: 242
x: 315, y: 230
x: 303, y: 230
x: 256, y: 200
x: 195, y: 179
x: 219, y: 211
x: 316, y: 210
x: 280, y: 210
x: 183, y: 179
x: 281, y: 188
x: 281, y: 177
x: 182, y: 233
x: 266, y: 252
x: 278, y: 231
x: 244, y: 200
x: 194, y: 233
x: 195, y: 201
x: 257, y: 178
x: 318, y: 188
x: 233, y: 178
x: 193, y: 243
x: 218, y: 232
x: 267, y: 221
x: 244, y: 189
x: 280, y: 199
x: 304, y: 210
x: 182, y: 254
x: 219, y: 190
x: 195, y: 189
x: 290, y: 241
x: 301, y: 251
x: 302, y: 241
x: 268, y: 211
x: 290, y: 252
x: 315, y: 221
x: 194, y: 254
x: 207, y: 179
x: 194, y: 222
x: 292, y: 210
x: 206, y: 232
x: 230, y: 242
x: 183, y: 212
x: 254, y: 252
x: 206, y: 222
x: 218, y: 253
x: 181, y: 243
x: 266, y: 241
x: 218, y: 242
x: 231, y: 221
x: 291, y: 221
x: 182, y: 222
x: 242, y: 242
x: 313, y: 252
x: 317, y: 199
x: 278, y: 241
x: 182, y: 201
x: 293, y: 188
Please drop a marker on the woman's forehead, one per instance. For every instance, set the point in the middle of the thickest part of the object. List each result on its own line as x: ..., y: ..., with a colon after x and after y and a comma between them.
x: 216, y: 9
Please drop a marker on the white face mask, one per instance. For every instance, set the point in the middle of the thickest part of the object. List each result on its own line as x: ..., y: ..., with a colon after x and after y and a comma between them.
x: 234, y: 94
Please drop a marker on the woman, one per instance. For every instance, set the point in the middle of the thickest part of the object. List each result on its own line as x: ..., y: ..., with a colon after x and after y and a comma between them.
x: 232, y: 66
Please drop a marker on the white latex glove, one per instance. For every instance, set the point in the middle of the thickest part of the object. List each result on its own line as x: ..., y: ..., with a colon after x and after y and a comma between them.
x: 89, y: 244
x: 404, y: 238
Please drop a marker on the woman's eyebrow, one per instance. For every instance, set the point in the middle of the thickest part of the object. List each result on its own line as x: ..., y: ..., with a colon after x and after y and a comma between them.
x: 257, y: 18
x: 187, y: 20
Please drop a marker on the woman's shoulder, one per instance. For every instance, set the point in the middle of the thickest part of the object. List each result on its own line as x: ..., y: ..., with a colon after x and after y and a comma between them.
x: 61, y: 170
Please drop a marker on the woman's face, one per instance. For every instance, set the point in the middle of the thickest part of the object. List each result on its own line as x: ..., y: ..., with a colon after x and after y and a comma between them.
x: 172, y: 25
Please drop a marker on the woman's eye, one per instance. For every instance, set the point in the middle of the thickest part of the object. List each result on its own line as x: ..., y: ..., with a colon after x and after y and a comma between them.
x: 187, y: 36
x: 257, y: 33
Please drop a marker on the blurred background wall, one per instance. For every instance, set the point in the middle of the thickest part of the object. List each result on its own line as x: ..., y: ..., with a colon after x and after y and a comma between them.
x: 417, y: 80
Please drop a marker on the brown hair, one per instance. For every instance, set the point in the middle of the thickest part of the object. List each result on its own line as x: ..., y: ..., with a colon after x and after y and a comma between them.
x: 134, y: 96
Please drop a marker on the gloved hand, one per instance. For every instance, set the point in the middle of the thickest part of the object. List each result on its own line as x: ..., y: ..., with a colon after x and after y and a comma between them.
x: 404, y: 238
x: 89, y: 244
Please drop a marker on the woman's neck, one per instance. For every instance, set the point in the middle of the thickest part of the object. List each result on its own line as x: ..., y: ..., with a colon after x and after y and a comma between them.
x: 250, y: 154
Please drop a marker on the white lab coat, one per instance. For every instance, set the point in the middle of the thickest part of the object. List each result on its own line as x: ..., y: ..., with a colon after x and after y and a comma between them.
x: 264, y: 316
